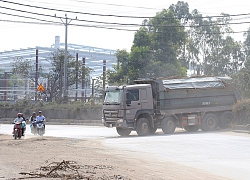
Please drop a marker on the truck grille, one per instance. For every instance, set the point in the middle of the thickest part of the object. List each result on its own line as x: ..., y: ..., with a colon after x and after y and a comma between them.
x: 110, y: 115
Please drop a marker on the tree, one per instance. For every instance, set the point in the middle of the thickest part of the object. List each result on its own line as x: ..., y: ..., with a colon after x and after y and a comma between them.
x: 75, y: 74
x: 155, y: 51
x: 23, y: 69
x: 181, y: 11
x: 246, y: 46
x: 121, y: 70
x: 242, y: 78
x: 210, y: 46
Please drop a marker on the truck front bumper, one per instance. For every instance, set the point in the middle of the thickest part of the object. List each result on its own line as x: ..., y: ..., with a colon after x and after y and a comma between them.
x: 118, y: 123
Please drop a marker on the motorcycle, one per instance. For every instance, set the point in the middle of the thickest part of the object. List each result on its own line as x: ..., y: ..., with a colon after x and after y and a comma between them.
x: 40, y: 126
x: 17, y: 133
x: 33, y: 127
x: 23, y: 126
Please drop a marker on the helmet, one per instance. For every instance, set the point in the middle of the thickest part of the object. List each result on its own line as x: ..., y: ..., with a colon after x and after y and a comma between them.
x: 34, y: 113
x: 39, y: 112
x: 19, y: 114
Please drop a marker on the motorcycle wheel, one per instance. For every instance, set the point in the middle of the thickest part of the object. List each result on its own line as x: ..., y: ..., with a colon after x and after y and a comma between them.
x: 19, y: 134
x: 40, y: 133
x: 15, y: 134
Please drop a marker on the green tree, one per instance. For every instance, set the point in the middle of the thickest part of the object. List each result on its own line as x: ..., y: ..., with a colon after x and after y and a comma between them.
x: 210, y: 46
x: 181, y: 11
x: 155, y: 52
x: 120, y: 74
x: 246, y: 46
x: 242, y: 78
x: 22, y: 70
x: 75, y: 74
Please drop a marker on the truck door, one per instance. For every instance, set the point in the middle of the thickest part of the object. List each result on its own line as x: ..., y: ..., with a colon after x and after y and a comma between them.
x: 134, y: 105
x: 144, y: 99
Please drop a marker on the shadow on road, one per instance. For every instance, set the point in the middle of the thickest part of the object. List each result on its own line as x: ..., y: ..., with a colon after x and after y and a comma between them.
x: 176, y: 133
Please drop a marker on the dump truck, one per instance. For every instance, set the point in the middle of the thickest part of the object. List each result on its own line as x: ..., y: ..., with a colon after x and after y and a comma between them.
x: 192, y: 103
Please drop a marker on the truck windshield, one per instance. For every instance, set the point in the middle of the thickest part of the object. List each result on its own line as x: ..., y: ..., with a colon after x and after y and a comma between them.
x: 113, y: 97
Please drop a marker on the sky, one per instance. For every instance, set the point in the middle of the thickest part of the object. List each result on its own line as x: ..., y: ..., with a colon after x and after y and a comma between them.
x: 22, y: 26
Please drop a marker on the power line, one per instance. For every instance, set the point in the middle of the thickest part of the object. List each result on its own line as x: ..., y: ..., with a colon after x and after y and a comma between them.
x: 58, y: 23
x: 118, y: 5
x: 76, y: 19
x: 108, y: 15
x: 121, y: 24
x: 29, y: 17
x: 139, y: 25
x: 39, y: 23
x: 26, y: 22
x: 77, y: 12
x: 88, y: 2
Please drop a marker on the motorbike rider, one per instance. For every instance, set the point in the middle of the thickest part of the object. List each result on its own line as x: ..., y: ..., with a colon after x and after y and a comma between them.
x: 33, y: 117
x: 23, y: 117
x: 19, y: 118
x: 40, y: 118
x: 23, y: 124
x: 33, y: 120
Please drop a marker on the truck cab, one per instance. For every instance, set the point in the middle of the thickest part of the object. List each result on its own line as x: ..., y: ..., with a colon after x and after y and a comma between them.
x: 123, y: 105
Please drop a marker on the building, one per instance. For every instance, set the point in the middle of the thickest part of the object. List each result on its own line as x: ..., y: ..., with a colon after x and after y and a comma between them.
x: 98, y: 59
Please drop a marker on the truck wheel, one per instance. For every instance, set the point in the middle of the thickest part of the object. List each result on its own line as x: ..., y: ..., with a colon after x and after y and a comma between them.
x: 226, y: 120
x: 168, y: 125
x: 142, y: 127
x: 153, y: 129
x: 123, y: 132
x: 192, y: 128
x: 209, y: 122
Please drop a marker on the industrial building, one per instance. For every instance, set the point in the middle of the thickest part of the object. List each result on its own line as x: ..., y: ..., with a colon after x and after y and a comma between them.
x: 98, y: 59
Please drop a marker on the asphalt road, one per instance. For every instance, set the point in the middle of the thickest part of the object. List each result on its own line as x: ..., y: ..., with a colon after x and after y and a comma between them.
x: 220, y: 153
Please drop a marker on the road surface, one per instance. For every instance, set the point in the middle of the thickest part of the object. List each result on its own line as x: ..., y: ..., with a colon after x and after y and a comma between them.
x: 220, y: 153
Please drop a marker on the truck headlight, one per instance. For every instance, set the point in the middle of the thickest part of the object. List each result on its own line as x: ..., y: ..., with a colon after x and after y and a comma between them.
x: 119, y: 121
x: 103, y: 120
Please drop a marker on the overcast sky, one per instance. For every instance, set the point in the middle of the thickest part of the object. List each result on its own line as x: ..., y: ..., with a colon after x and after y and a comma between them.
x: 15, y: 34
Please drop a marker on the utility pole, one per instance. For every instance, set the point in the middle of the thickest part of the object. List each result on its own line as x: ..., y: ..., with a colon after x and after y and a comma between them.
x: 65, y: 58
x: 36, y: 76
x: 66, y: 23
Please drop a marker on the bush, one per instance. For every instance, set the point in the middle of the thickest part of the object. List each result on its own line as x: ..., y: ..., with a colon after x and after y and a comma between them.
x: 52, y: 110
x: 242, y: 111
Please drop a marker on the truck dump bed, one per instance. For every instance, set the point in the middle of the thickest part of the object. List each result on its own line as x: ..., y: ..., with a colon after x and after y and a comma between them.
x: 195, y: 94
x: 192, y: 94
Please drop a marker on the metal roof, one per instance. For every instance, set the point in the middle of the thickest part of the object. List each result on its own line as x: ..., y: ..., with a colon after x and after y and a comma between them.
x: 94, y: 56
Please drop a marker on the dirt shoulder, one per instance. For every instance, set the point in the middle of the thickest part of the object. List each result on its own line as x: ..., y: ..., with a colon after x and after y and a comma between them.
x: 64, y: 158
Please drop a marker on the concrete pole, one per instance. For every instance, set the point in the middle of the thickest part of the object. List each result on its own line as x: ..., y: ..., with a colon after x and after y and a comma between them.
x: 36, y: 77
x: 76, y: 76
x: 65, y: 95
x: 83, y: 79
x: 104, y: 74
x: 5, y: 85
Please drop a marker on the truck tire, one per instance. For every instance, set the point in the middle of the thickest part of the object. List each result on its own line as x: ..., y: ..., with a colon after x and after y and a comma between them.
x: 142, y: 127
x: 209, y: 122
x: 192, y: 128
x: 168, y: 125
x: 226, y: 120
x: 123, y: 132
